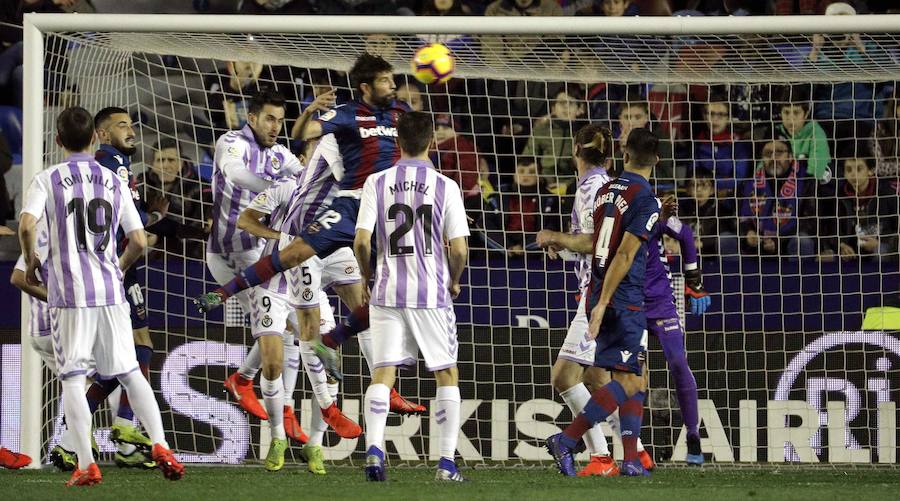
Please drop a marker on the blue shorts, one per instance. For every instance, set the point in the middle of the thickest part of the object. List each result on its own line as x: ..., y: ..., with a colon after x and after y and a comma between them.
x: 334, y: 227
x: 622, y: 342
x: 134, y: 294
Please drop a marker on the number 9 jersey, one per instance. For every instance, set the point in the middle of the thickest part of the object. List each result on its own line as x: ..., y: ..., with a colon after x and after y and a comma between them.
x: 84, y: 204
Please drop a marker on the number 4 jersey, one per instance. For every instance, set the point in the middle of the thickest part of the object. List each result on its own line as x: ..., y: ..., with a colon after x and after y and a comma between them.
x: 412, y: 210
x: 626, y: 204
x: 84, y: 204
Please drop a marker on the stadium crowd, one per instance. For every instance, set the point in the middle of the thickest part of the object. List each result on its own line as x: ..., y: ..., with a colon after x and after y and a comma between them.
x: 763, y: 169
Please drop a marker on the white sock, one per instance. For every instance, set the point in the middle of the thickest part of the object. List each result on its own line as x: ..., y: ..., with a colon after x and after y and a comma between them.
x: 317, y: 424
x: 365, y: 347
x: 143, y: 401
x: 113, y: 401
x: 447, y: 417
x: 252, y: 363
x: 377, y: 403
x: 290, y: 370
x: 616, y: 428
x: 576, y: 398
x: 273, y: 398
x: 315, y: 371
x: 78, y: 419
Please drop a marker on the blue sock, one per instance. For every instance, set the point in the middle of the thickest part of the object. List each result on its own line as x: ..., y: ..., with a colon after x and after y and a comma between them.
x: 447, y: 464
x: 375, y: 451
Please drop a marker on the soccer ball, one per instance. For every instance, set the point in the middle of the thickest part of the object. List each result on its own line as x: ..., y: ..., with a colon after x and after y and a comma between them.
x: 433, y: 64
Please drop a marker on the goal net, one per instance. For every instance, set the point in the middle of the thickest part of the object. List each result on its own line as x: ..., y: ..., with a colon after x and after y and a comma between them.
x: 761, y: 123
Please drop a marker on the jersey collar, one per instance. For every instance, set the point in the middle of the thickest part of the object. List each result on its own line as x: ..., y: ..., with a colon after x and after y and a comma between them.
x: 81, y: 157
x: 411, y: 162
x: 593, y: 171
x: 108, y: 148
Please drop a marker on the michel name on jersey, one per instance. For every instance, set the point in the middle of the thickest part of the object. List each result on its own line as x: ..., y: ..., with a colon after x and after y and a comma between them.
x: 73, y: 179
x: 409, y: 186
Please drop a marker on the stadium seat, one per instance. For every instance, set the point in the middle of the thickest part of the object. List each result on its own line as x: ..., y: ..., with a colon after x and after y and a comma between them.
x: 11, y: 127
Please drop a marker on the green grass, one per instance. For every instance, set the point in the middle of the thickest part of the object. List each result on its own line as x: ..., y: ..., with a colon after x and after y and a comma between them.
x: 251, y: 482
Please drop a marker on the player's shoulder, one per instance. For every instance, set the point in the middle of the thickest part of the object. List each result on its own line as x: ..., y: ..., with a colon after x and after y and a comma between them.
x: 340, y: 113
x: 401, y: 106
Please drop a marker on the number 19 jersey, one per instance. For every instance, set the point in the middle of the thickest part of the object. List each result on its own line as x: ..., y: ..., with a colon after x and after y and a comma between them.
x: 412, y: 210
x: 84, y: 204
x: 626, y: 204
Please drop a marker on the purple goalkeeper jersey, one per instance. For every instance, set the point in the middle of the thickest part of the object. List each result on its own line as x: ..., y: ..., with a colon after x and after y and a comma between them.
x: 659, y: 296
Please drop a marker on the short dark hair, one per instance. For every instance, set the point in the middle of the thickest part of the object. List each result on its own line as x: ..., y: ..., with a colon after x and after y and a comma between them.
x: 643, y: 146
x: 596, y: 143
x: 75, y: 128
x: 104, y: 114
x: 166, y: 143
x: 366, y: 67
x: 526, y: 160
x: 263, y: 97
x: 414, y: 132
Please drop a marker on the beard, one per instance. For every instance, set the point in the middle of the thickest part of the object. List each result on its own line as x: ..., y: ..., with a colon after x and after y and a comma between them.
x: 127, y: 150
x: 382, y: 101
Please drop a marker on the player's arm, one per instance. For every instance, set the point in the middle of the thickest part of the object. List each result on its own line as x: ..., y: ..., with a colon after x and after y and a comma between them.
x: 693, y: 286
x: 306, y: 128
x: 456, y: 229
x: 32, y: 210
x: 577, y: 242
x: 250, y: 221
x: 456, y: 260
x: 131, y: 224
x: 362, y: 248
x: 230, y: 157
x: 38, y: 292
x: 365, y: 226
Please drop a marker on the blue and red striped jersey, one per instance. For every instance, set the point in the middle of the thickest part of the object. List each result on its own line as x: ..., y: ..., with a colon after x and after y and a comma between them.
x: 366, y: 137
x: 626, y: 204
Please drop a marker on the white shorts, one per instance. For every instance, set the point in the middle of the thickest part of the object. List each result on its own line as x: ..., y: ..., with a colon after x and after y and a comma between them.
x: 270, y: 313
x: 317, y: 274
x: 43, y: 345
x: 399, y: 334
x: 85, y: 337
x: 578, y: 347
x: 224, y: 267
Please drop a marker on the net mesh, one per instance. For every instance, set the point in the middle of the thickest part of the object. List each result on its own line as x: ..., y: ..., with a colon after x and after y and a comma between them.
x: 754, y: 354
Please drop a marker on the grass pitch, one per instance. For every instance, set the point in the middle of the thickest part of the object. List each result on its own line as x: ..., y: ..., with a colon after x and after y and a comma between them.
x: 252, y: 482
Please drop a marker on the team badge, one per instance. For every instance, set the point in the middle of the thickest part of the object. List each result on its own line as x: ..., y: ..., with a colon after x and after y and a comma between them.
x: 328, y: 115
x: 266, y: 321
x: 276, y: 164
x: 261, y: 198
x: 123, y: 173
x: 233, y: 151
x: 307, y: 294
x: 349, y: 270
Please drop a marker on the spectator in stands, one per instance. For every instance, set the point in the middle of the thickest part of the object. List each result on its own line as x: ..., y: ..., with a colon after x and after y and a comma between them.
x: 713, y: 220
x: 636, y: 115
x: 887, y: 141
x: 718, y: 150
x: 527, y: 207
x: 292, y: 7
x: 778, y: 212
x: 319, y: 81
x: 617, y: 8
x: 867, y: 212
x: 498, y: 49
x: 172, y: 184
x: 551, y: 141
x: 455, y: 157
x: 410, y: 94
x: 229, y: 92
x: 806, y: 137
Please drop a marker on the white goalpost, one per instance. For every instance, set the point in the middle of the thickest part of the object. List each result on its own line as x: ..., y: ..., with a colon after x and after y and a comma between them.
x: 782, y: 375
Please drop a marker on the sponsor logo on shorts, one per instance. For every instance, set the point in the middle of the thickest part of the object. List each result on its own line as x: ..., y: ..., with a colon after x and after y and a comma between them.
x: 625, y: 356
x: 349, y: 270
x: 307, y: 294
x: 266, y: 321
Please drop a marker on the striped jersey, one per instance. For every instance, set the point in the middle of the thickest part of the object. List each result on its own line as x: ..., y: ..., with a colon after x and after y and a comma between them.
x: 625, y: 204
x: 412, y: 210
x: 316, y: 187
x: 40, y: 312
x: 85, y: 204
x: 238, y: 151
x: 367, y: 138
x: 275, y: 202
x: 583, y: 217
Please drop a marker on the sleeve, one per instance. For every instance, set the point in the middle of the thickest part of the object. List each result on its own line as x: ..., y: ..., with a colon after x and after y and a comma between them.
x: 328, y: 149
x: 645, y: 216
x: 367, y: 207
x: 291, y: 162
x: 35, y: 198
x: 230, y: 159
x: 331, y: 121
x: 267, y: 200
x: 456, y: 224
x: 129, y: 220
x: 676, y: 229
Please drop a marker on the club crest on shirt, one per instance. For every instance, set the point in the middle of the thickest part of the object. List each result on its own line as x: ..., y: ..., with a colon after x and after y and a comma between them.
x: 276, y: 163
x: 328, y: 115
x: 261, y: 198
x: 307, y: 294
x: 233, y: 151
x: 266, y: 321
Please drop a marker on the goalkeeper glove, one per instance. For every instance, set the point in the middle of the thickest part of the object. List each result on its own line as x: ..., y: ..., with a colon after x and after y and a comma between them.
x: 695, y: 292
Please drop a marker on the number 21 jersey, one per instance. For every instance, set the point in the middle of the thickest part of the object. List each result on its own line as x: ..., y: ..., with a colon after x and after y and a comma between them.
x: 84, y: 204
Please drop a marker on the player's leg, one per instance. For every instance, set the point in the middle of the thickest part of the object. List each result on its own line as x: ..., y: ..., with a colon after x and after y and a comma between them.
x: 239, y: 385
x: 315, y: 458
x: 289, y: 373
x: 114, y: 356
x: 62, y: 455
x: 621, y: 345
x: 434, y: 332
x: 594, y: 378
x: 671, y: 337
x: 576, y: 353
x: 74, y: 331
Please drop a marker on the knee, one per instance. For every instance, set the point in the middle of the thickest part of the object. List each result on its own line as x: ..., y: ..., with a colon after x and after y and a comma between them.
x: 562, y: 379
x: 271, y: 369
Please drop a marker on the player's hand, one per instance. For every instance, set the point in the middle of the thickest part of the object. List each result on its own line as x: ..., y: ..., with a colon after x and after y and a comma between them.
x: 366, y: 293
x: 697, y: 296
x: 159, y: 204
x: 596, y: 320
x: 669, y: 207
x: 322, y: 102
x: 31, y: 273
x: 455, y: 289
x: 6, y: 232
x: 553, y: 252
x: 545, y: 238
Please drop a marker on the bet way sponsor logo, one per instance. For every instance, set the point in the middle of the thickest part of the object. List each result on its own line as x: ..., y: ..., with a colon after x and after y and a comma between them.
x: 380, y: 130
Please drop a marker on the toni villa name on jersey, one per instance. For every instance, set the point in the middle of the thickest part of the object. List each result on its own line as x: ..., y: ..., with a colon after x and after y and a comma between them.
x: 93, y: 178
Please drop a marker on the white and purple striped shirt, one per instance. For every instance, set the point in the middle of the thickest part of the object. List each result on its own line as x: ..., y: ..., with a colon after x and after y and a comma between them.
x: 85, y: 204
x: 275, y: 202
x: 40, y: 312
x: 316, y: 187
x: 583, y: 217
x: 412, y: 209
x: 241, y: 170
